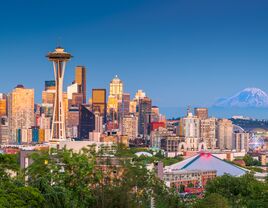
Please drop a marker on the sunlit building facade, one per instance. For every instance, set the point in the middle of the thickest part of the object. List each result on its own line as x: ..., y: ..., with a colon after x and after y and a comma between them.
x: 116, y: 88
x: 99, y: 102
x: 20, y: 110
x: 130, y: 126
x: 80, y: 80
x: 3, y: 105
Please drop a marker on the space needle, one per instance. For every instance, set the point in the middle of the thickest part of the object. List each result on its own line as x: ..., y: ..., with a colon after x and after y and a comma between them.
x: 59, y: 58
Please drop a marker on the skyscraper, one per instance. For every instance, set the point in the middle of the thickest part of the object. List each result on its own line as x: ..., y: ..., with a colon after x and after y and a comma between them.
x: 59, y: 58
x: 48, y: 95
x: 20, y: 110
x: 224, y: 134
x: 80, y: 79
x: 50, y: 85
x: 72, y: 122
x: 123, y: 105
x: 99, y: 102
x: 73, y: 88
x: 208, y: 132
x: 130, y: 126
x: 155, y: 114
x: 3, y: 105
x: 191, y: 126
x: 191, y: 130
x: 86, y: 122
x: 201, y: 113
x: 145, y: 106
x: 116, y: 88
x: 4, y: 130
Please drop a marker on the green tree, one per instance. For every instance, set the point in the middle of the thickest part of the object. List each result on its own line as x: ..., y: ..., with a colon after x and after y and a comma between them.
x: 89, y: 179
x: 240, y: 191
x: 9, y: 163
x: 211, y: 201
x: 63, y: 177
x: 250, y: 161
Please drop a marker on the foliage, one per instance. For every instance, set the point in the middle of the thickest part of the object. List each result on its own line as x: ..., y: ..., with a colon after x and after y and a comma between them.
x: 13, y: 192
x: 8, y: 163
x: 250, y: 161
x: 67, y: 178
x: 63, y: 178
x: 243, y: 191
x: 211, y: 201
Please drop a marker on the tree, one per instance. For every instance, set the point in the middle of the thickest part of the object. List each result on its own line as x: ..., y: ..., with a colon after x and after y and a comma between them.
x: 9, y: 163
x: 14, y: 193
x: 90, y: 179
x: 211, y: 201
x: 240, y: 191
x: 250, y: 161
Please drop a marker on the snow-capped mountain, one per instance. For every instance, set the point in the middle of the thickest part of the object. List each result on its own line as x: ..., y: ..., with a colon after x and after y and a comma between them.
x: 249, y: 97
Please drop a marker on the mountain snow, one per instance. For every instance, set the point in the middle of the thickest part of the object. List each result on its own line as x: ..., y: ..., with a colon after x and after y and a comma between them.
x: 249, y: 97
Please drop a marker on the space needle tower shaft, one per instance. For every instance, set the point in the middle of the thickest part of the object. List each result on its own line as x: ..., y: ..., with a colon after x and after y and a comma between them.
x: 59, y: 58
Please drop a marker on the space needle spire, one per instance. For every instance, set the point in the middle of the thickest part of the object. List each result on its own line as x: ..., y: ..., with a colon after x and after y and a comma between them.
x: 59, y: 58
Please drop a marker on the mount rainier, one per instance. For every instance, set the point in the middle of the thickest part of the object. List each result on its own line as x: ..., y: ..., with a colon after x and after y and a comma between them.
x: 249, y: 97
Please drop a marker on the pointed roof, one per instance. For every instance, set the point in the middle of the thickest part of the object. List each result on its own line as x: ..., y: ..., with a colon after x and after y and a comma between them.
x: 207, y: 161
x: 116, y: 79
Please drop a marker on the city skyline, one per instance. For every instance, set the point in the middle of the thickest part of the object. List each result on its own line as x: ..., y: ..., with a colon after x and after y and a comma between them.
x: 177, y: 52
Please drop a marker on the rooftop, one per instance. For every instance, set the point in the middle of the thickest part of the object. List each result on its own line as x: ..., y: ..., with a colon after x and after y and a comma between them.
x: 207, y: 161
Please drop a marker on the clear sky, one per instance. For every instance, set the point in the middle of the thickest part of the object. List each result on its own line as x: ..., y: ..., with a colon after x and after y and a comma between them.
x: 179, y: 52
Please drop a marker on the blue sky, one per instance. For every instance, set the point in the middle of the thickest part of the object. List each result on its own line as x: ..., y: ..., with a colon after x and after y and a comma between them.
x: 180, y: 52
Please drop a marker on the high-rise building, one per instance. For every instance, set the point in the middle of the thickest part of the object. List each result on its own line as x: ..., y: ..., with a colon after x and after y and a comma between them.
x: 50, y: 85
x: 44, y: 122
x: 191, y: 126
x: 130, y: 126
x: 123, y: 106
x: 73, y: 88
x: 99, y: 102
x: 20, y: 110
x: 170, y: 143
x: 59, y: 58
x: 155, y: 114
x: 241, y: 141
x: 86, y: 122
x: 80, y: 79
x: 98, y: 123
x: 72, y: 122
x: 116, y: 88
x: 191, y: 130
x: 140, y: 95
x: 133, y: 106
x: 157, y: 135
x: 208, y: 132
x: 77, y: 99
x: 3, y: 105
x: 112, y: 108
x: 48, y: 95
x: 144, y: 109
x: 201, y: 113
x: 224, y: 134
x: 4, y: 130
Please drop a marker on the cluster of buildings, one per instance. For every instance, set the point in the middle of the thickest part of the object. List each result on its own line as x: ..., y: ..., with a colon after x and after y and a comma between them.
x: 69, y: 119
x: 198, y: 131
x: 108, y: 116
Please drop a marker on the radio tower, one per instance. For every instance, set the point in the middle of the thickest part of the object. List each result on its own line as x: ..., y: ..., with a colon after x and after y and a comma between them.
x: 59, y: 59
